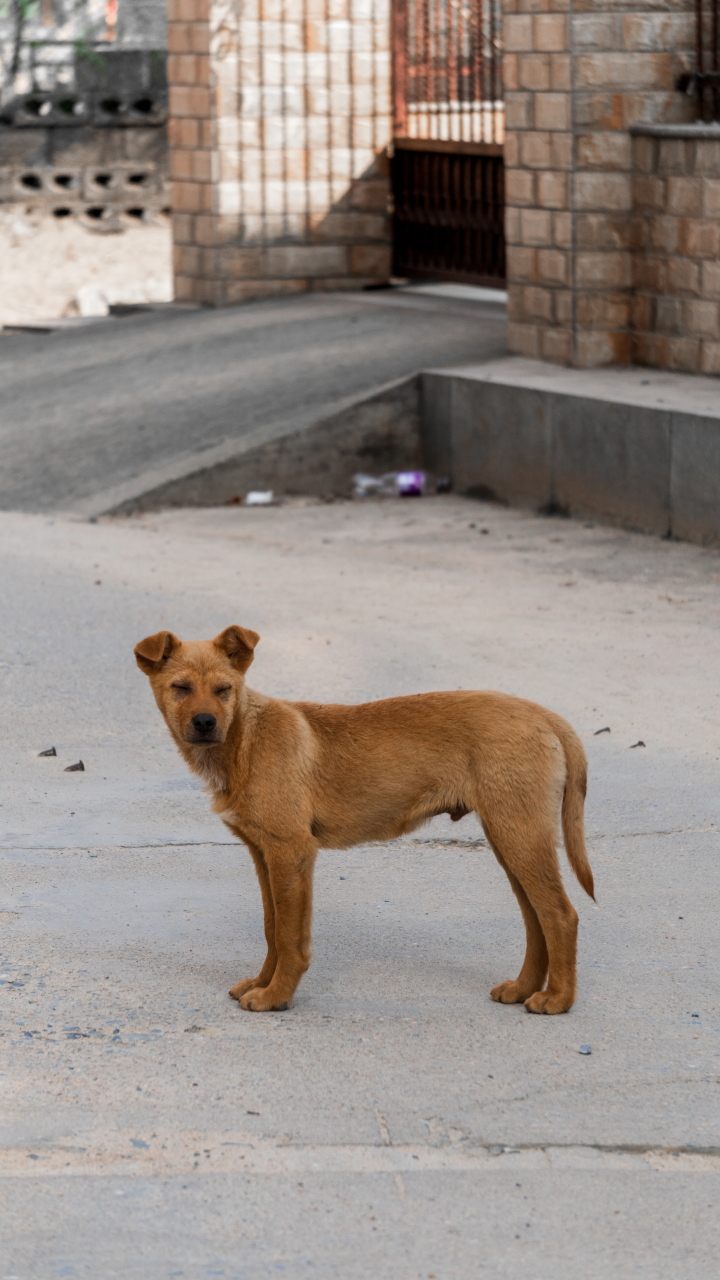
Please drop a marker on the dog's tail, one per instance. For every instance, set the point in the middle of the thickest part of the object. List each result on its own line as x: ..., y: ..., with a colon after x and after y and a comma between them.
x: 574, y: 802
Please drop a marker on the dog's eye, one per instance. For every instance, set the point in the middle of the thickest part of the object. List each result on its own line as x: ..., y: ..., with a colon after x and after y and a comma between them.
x: 219, y: 693
x: 182, y: 688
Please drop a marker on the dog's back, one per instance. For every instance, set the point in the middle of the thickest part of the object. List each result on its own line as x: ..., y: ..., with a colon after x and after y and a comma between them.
x: 383, y: 768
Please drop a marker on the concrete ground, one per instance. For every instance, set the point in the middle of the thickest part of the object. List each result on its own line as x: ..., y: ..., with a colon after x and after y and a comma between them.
x: 89, y: 409
x: 395, y: 1123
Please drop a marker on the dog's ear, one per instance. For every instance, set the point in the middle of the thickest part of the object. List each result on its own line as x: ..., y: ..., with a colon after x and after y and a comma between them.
x: 238, y: 643
x: 153, y: 650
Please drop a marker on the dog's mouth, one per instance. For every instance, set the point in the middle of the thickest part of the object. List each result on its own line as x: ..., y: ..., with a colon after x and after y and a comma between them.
x: 203, y: 730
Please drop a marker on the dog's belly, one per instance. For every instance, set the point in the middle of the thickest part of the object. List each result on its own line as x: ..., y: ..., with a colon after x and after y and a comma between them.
x: 344, y: 831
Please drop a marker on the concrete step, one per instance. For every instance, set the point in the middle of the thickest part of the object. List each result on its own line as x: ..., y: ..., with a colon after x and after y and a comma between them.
x: 297, y: 455
x: 631, y: 447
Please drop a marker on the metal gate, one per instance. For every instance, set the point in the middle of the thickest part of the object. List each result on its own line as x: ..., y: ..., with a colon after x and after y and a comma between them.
x: 705, y: 81
x: 448, y: 133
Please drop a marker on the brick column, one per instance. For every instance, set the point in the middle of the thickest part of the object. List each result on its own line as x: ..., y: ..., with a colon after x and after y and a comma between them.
x: 279, y: 127
x: 191, y: 138
x: 578, y: 75
x: 676, y: 243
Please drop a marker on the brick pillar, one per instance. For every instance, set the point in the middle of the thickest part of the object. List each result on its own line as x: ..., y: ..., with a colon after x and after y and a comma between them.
x: 578, y: 75
x: 676, y: 258
x: 191, y: 138
x: 279, y: 128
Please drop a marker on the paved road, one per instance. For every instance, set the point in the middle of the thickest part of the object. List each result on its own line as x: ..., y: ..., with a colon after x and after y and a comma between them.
x: 395, y: 1122
x: 84, y: 410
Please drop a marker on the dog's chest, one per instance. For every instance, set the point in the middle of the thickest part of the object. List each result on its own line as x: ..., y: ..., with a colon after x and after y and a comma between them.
x: 234, y: 822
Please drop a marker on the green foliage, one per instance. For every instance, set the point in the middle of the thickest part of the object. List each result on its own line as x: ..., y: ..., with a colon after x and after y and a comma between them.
x: 84, y: 52
x: 21, y: 10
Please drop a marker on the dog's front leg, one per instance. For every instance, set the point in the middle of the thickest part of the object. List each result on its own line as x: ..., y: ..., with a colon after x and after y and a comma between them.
x: 290, y: 874
x: 265, y: 975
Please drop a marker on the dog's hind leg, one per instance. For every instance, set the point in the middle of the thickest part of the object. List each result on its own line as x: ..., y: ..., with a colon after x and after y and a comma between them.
x: 290, y: 877
x: 531, y: 857
x: 531, y: 977
x: 264, y: 977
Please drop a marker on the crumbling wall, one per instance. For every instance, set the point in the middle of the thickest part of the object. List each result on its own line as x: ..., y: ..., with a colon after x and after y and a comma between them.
x: 38, y: 41
x: 83, y: 157
x: 93, y: 147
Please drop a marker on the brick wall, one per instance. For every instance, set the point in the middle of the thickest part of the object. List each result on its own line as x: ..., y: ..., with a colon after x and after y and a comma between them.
x: 578, y: 75
x: 676, y: 248
x: 279, y: 126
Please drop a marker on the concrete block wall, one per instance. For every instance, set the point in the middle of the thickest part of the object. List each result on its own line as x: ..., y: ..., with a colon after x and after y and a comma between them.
x: 676, y: 248
x: 107, y: 178
x: 579, y: 74
x: 279, y: 128
x: 93, y: 145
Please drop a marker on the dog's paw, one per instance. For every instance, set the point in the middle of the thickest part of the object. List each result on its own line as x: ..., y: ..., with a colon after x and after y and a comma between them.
x: 248, y: 984
x: 263, y: 1000
x: 509, y: 993
x: 543, y: 1002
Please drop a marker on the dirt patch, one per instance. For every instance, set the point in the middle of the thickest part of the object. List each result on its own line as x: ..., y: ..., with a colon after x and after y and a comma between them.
x: 51, y: 266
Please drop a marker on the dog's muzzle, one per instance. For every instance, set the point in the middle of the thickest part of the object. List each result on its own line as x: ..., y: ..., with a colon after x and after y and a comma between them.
x: 204, y: 728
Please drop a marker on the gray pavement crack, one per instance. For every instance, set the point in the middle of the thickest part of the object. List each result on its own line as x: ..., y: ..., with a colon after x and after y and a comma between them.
x: 427, y: 843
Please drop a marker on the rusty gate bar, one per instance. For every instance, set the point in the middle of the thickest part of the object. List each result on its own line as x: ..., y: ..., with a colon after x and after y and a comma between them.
x: 447, y: 70
x: 449, y: 213
x: 447, y: 167
x: 705, y: 81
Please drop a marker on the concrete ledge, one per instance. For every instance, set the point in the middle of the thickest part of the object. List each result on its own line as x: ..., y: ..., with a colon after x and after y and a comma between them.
x: 375, y: 433
x: 628, y: 446
x: 696, y: 129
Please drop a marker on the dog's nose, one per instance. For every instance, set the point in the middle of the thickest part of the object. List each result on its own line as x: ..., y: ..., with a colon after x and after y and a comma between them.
x: 204, y: 723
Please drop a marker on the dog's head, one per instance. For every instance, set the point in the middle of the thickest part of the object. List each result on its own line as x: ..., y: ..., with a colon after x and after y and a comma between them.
x: 197, y: 684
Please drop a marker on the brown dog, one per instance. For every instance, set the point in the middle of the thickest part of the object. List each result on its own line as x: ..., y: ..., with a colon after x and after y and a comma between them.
x: 289, y: 778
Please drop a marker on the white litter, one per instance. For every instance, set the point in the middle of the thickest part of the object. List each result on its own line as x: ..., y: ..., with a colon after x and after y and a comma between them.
x: 366, y: 486
x: 405, y: 483
x: 259, y: 498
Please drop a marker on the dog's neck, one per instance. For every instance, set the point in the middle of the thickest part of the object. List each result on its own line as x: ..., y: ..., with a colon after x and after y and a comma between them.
x: 209, y: 763
x: 214, y: 763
